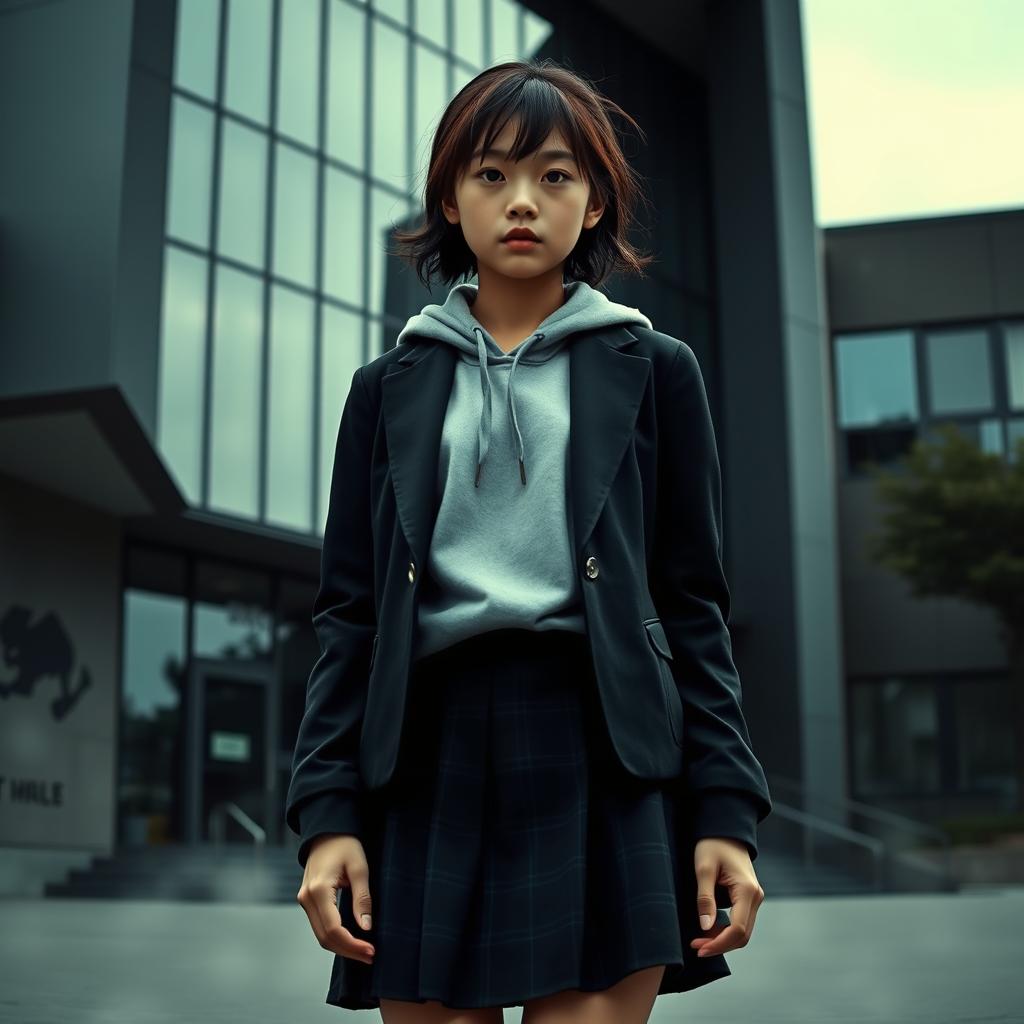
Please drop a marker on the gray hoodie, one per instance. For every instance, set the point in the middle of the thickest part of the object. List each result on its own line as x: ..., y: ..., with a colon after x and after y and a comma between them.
x: 485, y: 567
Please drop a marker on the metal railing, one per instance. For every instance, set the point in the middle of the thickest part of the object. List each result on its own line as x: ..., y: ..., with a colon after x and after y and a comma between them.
x: 217, y: 825
x: 894, y: 863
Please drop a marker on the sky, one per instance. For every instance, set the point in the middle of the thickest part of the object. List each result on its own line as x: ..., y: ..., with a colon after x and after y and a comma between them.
x: 915, y: 107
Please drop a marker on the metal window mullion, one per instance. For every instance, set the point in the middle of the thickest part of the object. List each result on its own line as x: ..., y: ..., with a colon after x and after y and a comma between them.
x: 316, y: 384
x: 368, y: 249
x: 268, y: 248
x: 213, y: 240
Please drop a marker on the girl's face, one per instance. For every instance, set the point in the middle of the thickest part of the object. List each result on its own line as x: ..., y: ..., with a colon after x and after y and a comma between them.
x: 544, y: 192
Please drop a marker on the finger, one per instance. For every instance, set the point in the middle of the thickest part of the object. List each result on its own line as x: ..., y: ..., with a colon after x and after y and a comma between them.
x: 330, y: 932
x: 337, y: 938
x: 341, y: 941
x: 737, y: 934
x: 707, y: 876
x: 362, y: 905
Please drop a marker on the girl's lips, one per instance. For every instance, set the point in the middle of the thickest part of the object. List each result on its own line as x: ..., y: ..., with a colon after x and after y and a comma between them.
x: 520, y: 244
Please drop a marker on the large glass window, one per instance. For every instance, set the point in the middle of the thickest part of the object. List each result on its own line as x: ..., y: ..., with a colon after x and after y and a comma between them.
x: 247, y: 86
x: 876, y: 379
x: 289, y: 166
x: 895, y: 732
x: 344, y: 266
x: 1013, y: 340
x: 188, y: 189
x: 298, y: 70
x: 182, y: 353
x: 432, y: 21
x: 959, y: 371
x: 235, y: 393
x: 242, y: 200
x: 232, y: 613
x: 343, y: 335
x: 290, y: 423
x: 154, y: 659
x: 295, y: 216
x: 346, y: 85
x: 195, y: 47
x: 390, y: 68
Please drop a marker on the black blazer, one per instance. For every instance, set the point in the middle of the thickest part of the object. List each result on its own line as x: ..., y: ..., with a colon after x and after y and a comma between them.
x: 645, y: 488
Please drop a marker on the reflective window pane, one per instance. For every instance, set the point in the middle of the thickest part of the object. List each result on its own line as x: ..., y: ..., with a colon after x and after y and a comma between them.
x: 390, y: 70
x: 985, y: 738
x: 505, y: 31
x: 1013, y: 336
x: 342, y: 356
x: 182, y: 354
x: 232, y: 615
x: 295, y: 215
x: 395, y: 9
x: 431, y: 20
x: 150, y: 766
x: 876, y: 379
x: 243, y: 186
x: 895, y: 739
x: 469, y: 31
x: 247, y: 77
x: 990, y: 436
x: 195, y: 47
x: 346, y: 84
x: 235, y: 387
x: 298, y: 74
x: 959, y: 371
x: 344, y: 255
x: 1014, y: 437
x: 289, y: 417
x: 386, y: 212
x: 431, y: 99
x: 190, y: 172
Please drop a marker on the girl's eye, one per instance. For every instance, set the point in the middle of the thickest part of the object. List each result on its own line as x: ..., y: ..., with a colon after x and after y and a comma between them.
x: 494, y: 170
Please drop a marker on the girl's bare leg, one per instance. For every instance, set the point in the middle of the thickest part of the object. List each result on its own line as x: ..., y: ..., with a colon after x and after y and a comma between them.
x: 628, y: 1001
x: 399, y: 1011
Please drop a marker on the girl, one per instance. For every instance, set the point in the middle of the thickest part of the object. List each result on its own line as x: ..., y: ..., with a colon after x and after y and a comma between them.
x: 547, y: 814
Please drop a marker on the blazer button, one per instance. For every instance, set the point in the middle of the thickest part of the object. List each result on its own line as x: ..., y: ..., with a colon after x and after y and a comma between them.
x: 592, y: 570
x: 412, y: 571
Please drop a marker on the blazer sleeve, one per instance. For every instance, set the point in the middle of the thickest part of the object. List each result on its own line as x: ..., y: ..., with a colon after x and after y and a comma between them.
x: 724, y: 782
x: 323, y: 794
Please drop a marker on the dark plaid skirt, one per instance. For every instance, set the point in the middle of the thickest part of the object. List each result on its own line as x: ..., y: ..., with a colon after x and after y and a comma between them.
x: 510, y: 856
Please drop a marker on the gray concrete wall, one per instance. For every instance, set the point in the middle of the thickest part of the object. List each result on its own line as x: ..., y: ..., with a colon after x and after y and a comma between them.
x: 775, y: 420
x: 60, y: 633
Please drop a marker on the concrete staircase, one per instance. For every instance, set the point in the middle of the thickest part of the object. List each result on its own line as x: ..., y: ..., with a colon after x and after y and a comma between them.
x: 233, y: 873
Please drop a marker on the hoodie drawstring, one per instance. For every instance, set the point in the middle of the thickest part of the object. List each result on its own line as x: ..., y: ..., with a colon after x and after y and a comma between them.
x: 484, y: 428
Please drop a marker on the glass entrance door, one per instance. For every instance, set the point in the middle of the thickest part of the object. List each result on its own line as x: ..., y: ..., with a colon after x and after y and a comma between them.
x: 229, y: 762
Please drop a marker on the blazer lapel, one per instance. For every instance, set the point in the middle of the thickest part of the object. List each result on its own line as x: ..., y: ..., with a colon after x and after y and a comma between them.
x: 606, y: 387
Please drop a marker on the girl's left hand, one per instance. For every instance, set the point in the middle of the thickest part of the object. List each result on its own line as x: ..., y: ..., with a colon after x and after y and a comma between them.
x: 725, y: 861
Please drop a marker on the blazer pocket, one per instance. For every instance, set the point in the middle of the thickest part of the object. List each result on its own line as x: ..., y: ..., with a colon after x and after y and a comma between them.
x: 670, y: 693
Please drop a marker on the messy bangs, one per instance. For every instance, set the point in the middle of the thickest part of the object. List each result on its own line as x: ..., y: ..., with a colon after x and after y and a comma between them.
x: 537, y: 98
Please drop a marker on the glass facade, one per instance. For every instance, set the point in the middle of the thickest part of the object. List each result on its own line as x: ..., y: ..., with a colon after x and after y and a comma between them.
x: 299, y: 136
x: 919, y: 738
x: 894, y: 386
x: 207, y: 641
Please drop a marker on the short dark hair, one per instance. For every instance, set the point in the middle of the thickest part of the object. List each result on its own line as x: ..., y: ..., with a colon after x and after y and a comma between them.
x: 539, y: 96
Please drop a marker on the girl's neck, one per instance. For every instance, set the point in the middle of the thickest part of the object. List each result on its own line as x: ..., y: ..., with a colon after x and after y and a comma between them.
x: 511, y: 309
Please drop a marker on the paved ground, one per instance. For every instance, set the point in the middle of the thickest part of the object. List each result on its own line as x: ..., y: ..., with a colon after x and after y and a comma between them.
x: 855, y: 960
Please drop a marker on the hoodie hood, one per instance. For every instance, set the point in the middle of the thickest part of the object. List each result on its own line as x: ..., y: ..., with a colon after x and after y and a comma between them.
x: 453, y: 323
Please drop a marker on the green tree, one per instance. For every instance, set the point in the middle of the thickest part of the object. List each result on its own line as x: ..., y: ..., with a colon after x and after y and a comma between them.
x: 953, y: 525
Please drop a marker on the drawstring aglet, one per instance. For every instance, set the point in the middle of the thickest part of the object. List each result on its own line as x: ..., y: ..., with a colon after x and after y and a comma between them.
x: 522, y: 470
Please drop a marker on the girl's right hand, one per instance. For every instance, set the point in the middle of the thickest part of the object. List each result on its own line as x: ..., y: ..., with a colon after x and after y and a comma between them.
x: 337, y: 860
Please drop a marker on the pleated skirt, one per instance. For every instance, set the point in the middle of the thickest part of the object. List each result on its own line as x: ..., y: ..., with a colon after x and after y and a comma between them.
x: 510, y: 856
